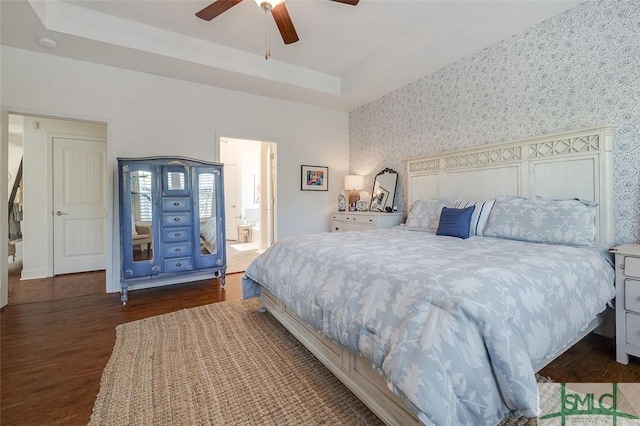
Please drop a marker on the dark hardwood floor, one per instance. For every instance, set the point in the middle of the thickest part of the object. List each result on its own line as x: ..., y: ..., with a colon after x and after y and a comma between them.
x: 53, y: 352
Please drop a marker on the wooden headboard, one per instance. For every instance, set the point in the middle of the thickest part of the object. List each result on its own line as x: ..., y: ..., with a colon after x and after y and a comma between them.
x: 568, y: 165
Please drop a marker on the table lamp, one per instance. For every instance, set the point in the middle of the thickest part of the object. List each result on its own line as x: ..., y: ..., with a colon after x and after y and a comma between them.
x: 354, y: 183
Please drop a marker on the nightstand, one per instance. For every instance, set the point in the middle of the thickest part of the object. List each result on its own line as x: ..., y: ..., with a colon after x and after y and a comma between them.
x: 362, y: 221
x: 627, y: 301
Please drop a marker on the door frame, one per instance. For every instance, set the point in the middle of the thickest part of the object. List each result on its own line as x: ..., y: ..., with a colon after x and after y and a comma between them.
x: 112, y: 260
x: 271, y: 186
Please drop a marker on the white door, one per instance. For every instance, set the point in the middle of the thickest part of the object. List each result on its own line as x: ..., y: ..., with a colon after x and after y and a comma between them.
x: 79, y: 205
x: 231, y: 202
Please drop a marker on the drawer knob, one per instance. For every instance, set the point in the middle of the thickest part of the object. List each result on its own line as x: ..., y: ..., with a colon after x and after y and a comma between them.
x: 177, y: 219
x: 178, y: 249
x: 177, y: 234
x: 176, y: 203
x: 178, y: 264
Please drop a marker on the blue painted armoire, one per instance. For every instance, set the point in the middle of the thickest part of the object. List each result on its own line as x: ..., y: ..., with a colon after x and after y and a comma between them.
x: 172, y: 226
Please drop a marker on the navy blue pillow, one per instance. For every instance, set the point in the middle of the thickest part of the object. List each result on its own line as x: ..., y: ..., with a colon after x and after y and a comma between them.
x: 455, y: 222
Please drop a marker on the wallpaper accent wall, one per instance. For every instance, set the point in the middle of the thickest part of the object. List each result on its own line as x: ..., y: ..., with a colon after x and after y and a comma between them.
x: 576, y: 70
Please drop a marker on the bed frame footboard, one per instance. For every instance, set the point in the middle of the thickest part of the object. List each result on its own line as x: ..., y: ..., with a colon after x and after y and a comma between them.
x: 351, y: 369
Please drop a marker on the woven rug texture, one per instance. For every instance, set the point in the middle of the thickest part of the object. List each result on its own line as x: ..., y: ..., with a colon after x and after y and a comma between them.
x: 222, y: 364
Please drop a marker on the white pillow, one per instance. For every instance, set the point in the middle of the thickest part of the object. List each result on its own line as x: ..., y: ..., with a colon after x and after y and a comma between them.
x: 425, y: 214
x: 540, y: 220
x: 480, y: 214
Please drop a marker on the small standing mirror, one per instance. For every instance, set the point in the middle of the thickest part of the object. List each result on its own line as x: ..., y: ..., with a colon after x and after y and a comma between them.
x: 175, y: 181
x: 384, y: 191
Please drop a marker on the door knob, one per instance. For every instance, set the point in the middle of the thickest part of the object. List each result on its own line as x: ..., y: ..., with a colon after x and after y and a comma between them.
x: 59, y: 213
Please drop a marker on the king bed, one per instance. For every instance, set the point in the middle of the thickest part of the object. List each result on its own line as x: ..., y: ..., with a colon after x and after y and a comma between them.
x: 428, y: 326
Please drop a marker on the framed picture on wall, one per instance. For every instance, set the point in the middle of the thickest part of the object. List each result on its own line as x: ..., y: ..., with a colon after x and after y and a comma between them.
x: 314, y: 178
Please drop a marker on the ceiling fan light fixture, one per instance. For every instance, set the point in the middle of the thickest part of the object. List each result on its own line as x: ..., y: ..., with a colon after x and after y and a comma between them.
x: 268, y: 4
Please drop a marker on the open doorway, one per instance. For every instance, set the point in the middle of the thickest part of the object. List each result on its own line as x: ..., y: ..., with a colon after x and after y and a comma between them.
x: 250, y: 199
x: 57, y: 188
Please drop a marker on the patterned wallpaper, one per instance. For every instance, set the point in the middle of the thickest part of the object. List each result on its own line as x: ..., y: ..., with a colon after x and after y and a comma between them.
x: 576, y: 70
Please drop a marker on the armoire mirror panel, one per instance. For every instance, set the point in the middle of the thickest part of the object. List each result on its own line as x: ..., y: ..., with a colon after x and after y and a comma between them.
x: 141, y: 215
x: 174, y: 178
x: 139, y: 242
x: 209, y: 216
x: 171, y: 220
x: 384, y: 191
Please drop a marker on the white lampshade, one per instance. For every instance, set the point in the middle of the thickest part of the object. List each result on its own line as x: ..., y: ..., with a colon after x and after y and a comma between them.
x: 354, y: 182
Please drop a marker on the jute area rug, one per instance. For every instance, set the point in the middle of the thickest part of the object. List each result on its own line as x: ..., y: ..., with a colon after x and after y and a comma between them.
x: 222, y: 364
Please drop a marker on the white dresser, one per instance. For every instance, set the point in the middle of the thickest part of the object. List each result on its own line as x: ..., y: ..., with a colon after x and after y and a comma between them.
x: 362, y: 221
x: 627, y: 301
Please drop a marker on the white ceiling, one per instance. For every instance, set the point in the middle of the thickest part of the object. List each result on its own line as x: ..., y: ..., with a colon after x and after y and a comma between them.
x: 347, y: 56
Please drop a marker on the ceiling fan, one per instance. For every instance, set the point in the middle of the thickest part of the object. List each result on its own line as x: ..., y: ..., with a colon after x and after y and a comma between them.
x: 277, y: 8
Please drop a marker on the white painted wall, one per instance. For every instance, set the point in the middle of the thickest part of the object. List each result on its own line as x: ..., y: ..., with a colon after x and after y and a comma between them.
x: 152, y: 115
x: 4, y: 142
x: 37, y: 223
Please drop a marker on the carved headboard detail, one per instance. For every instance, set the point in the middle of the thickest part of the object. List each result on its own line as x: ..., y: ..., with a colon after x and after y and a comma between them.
x: 576, y: 164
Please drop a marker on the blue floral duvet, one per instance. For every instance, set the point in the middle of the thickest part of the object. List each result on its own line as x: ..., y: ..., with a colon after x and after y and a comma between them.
x: 454, y: 326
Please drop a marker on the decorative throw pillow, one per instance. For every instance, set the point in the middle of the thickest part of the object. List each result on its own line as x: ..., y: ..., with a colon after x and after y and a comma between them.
x: 425, y: 214
x: 455, y: 222
x: 480, y: 214
x: 540, y: 220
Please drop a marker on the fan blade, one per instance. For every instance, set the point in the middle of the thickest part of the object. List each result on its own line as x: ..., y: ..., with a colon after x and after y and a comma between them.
x: 216, y: 8
x: 351, y: 2
x: 284, y: 23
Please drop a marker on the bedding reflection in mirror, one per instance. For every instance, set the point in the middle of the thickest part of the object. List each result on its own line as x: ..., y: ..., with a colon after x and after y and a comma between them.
x: 207, y: 213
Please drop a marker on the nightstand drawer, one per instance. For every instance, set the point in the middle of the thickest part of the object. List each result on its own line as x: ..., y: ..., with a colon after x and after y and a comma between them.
x: 632, y: 266
x: 632, y: 295
x: 633, y: 329
x: 357, y: 218
x: 362, y: 221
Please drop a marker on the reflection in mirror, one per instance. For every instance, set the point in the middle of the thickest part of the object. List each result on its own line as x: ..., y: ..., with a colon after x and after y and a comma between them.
x: 384, y: 191
x: 207, y: 213
x: 175, y: 181
x: 141, y: 215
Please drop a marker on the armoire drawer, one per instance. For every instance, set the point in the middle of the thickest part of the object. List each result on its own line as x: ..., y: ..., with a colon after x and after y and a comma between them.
x: 174, y: 235
x: 176, y: 219
x: 178, y: 264
x: 176, y: 204
x: 177, y: 249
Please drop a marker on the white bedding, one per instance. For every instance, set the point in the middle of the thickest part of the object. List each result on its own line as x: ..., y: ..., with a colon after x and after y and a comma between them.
x: 453, y: 325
